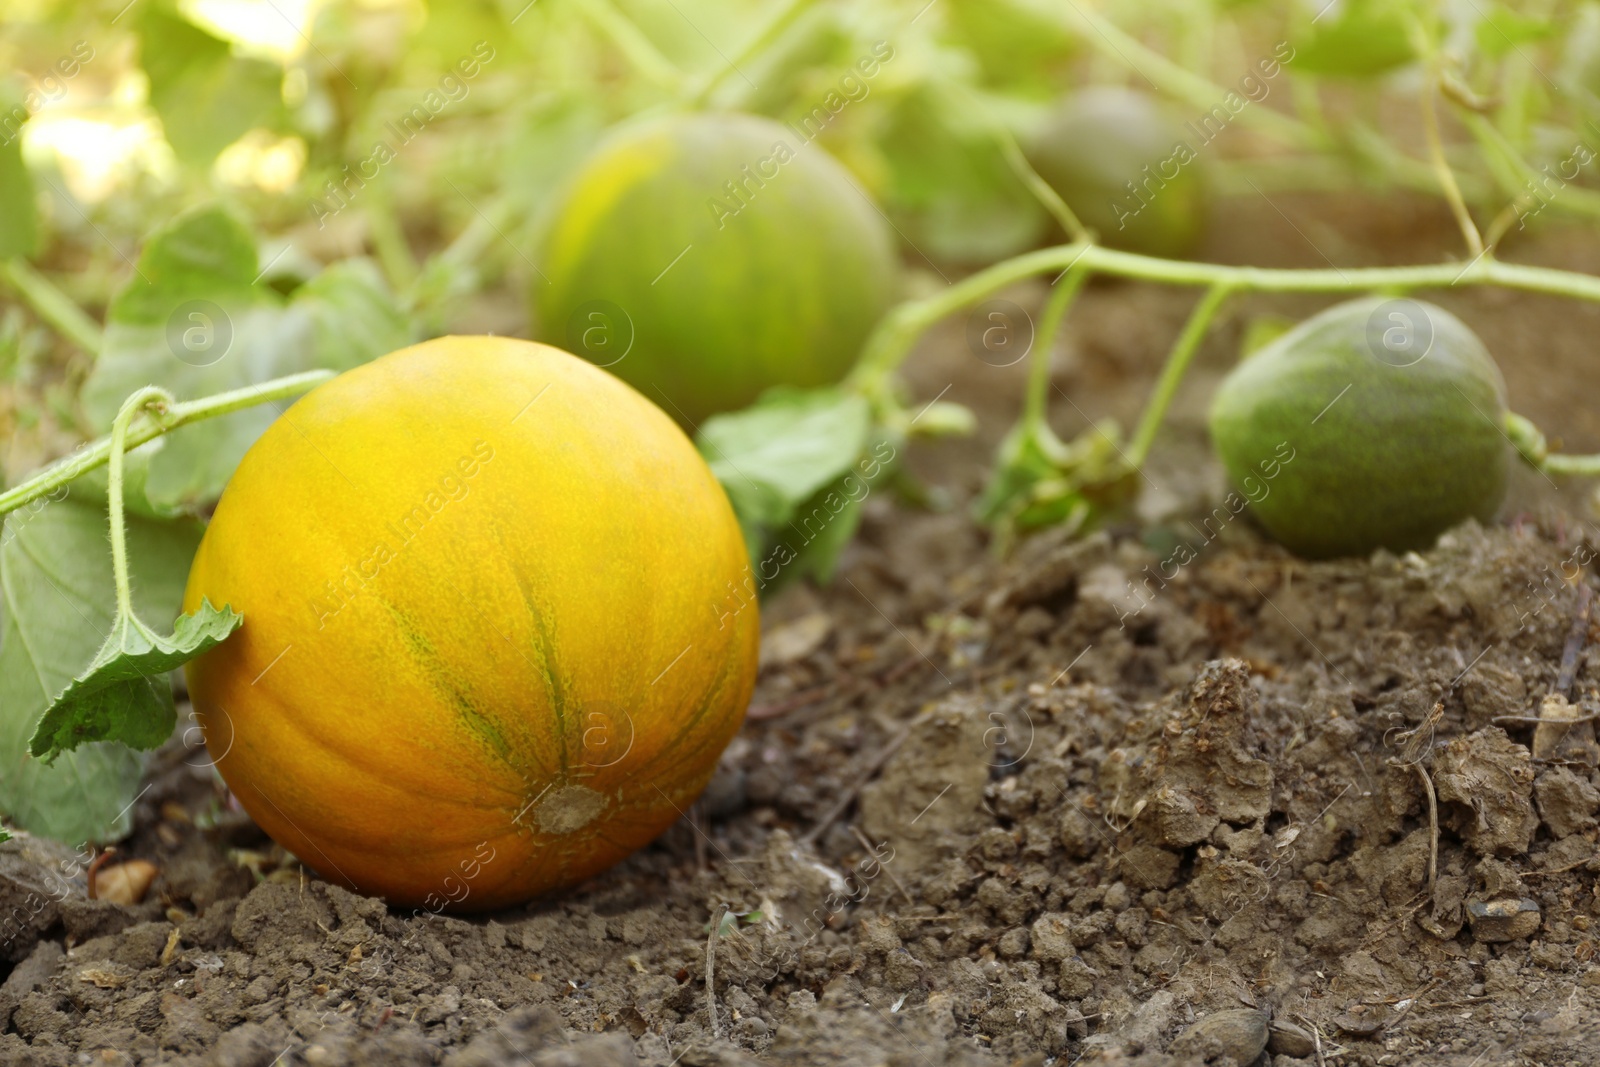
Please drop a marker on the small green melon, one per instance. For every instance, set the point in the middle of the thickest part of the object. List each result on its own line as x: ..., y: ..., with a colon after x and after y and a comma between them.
x: 705, y: 258
x: 1127, y: 168
x: 1375, y: 424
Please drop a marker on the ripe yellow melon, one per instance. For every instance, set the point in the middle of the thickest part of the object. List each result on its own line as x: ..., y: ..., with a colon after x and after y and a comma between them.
x: 489, y: 646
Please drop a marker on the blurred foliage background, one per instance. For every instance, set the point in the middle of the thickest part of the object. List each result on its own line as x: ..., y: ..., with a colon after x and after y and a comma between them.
x: 427, y: 138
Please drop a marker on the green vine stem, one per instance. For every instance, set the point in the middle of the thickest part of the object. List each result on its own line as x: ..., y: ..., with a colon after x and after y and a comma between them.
x: 1042, y: 190
x: 891, y: 342
x: 1359, y: 143
x: 97, y: 453
x: 646, y: 58
x: 159, y: 403
x: 1055, y: 310
x: 1174, y: 80
x: 1178, y: 360
x: 52, y: 305
x: 1531, y: 444
x: 1580, y: 466
x: 899, y: 330
x: 1448, y: 187
x: 699, y: 95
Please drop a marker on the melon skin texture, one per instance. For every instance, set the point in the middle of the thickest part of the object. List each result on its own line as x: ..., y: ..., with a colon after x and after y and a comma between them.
x: 1100, y: 139
x: 725, y: 292
x: 1404, y: 454
x: 489, y: 646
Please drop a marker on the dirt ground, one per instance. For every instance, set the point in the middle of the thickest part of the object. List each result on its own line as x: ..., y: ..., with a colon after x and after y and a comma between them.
x: 1073, y: 806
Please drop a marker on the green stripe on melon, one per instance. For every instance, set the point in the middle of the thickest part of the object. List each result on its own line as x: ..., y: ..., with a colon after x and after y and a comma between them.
x: 725, y: 296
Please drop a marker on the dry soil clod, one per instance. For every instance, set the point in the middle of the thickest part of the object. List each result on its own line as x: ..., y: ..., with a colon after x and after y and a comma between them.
x: 1503, y: 920
x: 1225, y: 1038
x: 1286, y: 1039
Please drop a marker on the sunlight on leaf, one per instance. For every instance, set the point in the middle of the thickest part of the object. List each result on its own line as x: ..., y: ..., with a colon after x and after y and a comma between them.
x: 206, y: 95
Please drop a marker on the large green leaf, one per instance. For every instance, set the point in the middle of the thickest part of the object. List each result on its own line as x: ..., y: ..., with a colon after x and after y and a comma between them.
x: 196, y: 321
x: 822, y: 527
x: 207, y: 97
x: 59, y: 603
x: 205, y: 254
x: 792, y: 442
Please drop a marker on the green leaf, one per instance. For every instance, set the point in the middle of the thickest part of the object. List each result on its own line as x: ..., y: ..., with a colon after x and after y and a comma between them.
x: 195, y: 321
x: 1021, y: 44
x: 793, y: 469
x: 207, y: 97
x: 19, y: 221
x: 59, y: 605
x: 124, y: 695
x: 807, y: 541
x: 788, y: 445
x: 950, y: 188
x: 1027, y: 456
x: 818, y: 556
x: 759, y: 508
x: 352, y: 316
x: 204, y: 254
x: 95, y: 485
x: 1501, y: 30
x: 1366, y: 38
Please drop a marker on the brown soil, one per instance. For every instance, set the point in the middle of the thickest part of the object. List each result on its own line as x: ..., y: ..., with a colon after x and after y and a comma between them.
x: 1032, y: 811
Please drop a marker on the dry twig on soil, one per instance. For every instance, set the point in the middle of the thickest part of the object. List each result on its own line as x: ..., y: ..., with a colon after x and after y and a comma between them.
x: 1433, y: 826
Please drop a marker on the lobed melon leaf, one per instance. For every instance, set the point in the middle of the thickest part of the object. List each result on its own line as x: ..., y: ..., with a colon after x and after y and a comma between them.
x: 123, y: 695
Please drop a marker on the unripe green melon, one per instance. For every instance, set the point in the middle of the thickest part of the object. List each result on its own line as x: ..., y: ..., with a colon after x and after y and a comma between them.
x: 1128, y: 170
x: 705, y: 258
x: 1390, y: 413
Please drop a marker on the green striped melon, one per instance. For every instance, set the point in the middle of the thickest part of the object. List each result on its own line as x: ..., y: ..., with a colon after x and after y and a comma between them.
x: 1127, y: 169
x: 704, y: 258
x: 1375, y: 424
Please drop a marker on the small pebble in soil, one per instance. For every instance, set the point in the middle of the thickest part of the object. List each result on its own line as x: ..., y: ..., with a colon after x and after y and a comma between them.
x: 1503, y: 920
